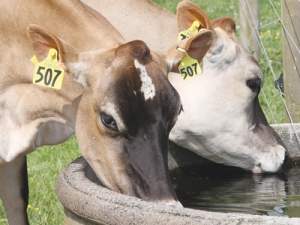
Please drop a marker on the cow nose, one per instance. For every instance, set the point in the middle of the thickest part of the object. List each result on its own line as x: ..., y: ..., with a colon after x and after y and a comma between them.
x: 257, y: 169
x: 175, y: 204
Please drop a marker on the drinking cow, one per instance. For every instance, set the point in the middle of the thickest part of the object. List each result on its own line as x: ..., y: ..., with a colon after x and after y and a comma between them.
x: 221, y: 119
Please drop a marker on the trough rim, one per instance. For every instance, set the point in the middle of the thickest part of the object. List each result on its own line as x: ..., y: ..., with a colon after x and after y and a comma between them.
x: 93, y: 202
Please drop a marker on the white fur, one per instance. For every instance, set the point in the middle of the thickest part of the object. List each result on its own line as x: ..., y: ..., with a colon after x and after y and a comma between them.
x: 147, y: 87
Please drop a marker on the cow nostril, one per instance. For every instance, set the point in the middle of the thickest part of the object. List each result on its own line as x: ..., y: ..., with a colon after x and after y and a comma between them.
x: 259, y: 164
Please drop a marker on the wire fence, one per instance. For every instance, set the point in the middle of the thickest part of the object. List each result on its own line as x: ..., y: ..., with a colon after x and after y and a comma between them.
x: 268, y: 31
x: 259, y: 32
x: 256, y: 32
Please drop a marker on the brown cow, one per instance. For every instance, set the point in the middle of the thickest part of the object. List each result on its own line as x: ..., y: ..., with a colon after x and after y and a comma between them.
x: 115, y: 95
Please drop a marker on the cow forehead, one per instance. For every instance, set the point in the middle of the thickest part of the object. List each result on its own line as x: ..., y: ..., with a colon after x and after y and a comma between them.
x: 136, y: 90
x: 134, y: 69
x: 223, y: 51
x: 132, y: 86
x: 136, y: 83
x: 228, y: 53
x: 147, y: 87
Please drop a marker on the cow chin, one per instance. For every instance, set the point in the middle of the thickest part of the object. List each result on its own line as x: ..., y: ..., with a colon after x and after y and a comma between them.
x: 268, y: 161
x: 253, y: 158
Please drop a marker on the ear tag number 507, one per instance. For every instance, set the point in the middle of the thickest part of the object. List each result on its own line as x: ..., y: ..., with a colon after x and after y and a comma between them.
x: 48, y: 73
x: 188, y: 66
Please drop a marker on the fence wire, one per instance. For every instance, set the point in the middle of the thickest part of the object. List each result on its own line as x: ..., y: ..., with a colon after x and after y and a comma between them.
x: 255, y: 32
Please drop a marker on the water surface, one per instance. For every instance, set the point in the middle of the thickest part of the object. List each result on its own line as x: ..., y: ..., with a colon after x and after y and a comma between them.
x: 234, y: 190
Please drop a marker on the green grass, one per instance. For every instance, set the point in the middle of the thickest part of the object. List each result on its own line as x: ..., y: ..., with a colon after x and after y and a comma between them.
x: 45, y: 164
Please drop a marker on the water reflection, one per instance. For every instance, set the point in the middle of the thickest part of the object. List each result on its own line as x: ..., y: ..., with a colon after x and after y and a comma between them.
x: 236, y: 191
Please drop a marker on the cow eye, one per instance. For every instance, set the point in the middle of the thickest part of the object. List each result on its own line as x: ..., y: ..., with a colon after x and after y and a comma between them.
x: 108, y: 121
x: 254, y: 84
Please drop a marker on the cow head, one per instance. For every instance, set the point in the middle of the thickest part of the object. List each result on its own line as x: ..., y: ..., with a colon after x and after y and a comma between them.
x: 126, y: 111
x: 222, y: 119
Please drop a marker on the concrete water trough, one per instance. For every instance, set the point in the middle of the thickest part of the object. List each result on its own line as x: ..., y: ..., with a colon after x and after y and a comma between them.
x: 86, y: 202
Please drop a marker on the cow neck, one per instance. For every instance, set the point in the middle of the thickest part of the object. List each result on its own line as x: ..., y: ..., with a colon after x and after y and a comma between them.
x: 74, y: 22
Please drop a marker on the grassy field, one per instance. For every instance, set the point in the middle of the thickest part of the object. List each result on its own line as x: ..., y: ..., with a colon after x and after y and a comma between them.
x: 45, y: 164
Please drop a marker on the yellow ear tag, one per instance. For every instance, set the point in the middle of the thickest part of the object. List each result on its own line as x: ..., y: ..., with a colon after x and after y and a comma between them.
x: 34, y: 60
x: 48, y: 73
x: 188, y: 66
x: 189, y: 32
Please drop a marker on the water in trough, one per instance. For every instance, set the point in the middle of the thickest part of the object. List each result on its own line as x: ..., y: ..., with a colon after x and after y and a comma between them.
x: 233, y: 190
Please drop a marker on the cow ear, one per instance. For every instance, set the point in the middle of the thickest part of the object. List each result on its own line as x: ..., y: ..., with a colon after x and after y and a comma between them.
x: 42, y: 41
x: 195, y: 46
x: 187, y: 13
x: 227, y: 24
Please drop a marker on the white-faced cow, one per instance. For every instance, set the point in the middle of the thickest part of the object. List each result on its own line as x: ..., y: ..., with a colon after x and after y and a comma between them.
x: 115, y: 95
x: 222, y: 119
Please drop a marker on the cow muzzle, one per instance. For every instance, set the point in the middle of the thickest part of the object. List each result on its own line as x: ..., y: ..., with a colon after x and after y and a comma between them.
x: 271, y: 163
x: 173, y: 203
